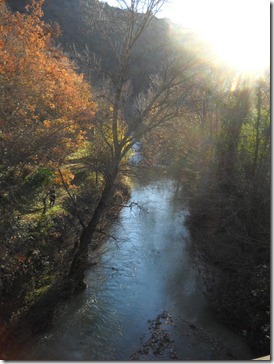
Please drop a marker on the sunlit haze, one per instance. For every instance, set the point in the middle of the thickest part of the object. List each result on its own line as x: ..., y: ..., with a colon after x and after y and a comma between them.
x: 238, y: 30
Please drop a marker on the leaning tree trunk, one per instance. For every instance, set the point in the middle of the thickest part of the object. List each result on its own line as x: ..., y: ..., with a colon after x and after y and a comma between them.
x: 79, y: 262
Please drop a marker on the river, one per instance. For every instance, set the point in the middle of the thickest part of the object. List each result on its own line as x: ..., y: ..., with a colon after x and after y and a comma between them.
x: 148, y: 269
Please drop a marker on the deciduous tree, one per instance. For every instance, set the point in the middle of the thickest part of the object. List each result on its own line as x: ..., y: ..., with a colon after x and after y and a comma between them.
x: 45, y: 106
x: 122, y: 120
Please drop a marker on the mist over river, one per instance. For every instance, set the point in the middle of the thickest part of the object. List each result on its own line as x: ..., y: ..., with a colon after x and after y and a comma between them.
x: 149, y: 269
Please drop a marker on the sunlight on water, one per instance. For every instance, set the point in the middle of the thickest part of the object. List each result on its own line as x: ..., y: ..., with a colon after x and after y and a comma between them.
x: 149, y: 269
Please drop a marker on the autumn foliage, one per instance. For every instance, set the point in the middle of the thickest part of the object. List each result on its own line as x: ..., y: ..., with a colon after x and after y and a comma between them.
x: 46, y: 114
x: 45, y: 107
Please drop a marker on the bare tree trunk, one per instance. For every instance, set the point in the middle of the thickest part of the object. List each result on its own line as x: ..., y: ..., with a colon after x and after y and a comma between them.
x: 79, y: 262
x: 159, y: 105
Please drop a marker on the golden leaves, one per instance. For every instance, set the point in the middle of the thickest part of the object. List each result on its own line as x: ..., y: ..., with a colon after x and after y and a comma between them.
x: 41, y: 94
x: 64, y: 175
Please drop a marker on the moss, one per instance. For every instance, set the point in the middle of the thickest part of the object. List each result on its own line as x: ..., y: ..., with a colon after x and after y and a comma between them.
x: 55, y: 211
x: 45, y: 283
x: 35, y: 294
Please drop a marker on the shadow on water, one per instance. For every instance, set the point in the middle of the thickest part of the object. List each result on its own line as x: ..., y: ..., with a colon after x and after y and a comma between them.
x: 149, y: 270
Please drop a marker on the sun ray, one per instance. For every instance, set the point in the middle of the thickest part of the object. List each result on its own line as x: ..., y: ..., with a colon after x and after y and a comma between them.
x: 238, y: 32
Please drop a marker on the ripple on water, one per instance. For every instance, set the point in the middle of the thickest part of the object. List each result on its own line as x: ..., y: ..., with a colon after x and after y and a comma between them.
x: 149, y: 268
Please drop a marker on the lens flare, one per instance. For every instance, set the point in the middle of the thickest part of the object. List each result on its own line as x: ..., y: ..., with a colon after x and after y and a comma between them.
x: 238, y: 32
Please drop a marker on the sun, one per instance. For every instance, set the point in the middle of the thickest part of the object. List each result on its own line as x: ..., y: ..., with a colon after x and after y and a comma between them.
x: 238, y: 31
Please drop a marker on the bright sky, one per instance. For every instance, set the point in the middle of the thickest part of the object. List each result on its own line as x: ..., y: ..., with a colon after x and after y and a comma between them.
x: 239, y: 30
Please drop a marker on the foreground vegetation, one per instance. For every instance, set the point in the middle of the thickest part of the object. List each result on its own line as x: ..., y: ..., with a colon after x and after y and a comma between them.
x: 47, y: 124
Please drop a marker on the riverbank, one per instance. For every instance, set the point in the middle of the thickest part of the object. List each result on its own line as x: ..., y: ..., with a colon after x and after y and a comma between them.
x: 147, y: 270
x: 40, y: 315
x: 236, y: 285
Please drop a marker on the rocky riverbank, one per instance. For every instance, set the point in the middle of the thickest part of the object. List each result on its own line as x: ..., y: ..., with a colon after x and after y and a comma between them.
x: 159, y: 344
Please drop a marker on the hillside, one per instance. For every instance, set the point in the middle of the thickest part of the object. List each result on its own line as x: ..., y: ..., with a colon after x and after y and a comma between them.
x: 79, y: 31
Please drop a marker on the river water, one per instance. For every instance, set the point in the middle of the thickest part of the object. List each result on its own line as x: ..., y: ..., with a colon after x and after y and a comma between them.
x: 147, y: 269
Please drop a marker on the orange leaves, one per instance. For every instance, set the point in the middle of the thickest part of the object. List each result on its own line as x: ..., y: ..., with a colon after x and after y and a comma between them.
x: 35, y: 9
x: 47, y: 124
x: 64, y: 176
x: 45, y: 105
